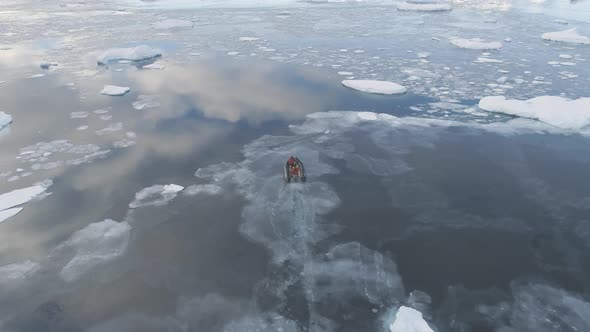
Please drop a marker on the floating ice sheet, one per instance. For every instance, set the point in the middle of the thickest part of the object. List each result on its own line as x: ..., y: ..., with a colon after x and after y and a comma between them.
x: 156, y: 195
x: 94, y: 245
x: 557, y: 111
x: 371, y: 86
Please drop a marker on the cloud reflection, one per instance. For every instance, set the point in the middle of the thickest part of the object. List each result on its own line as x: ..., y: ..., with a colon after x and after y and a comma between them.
x: 254, y: 92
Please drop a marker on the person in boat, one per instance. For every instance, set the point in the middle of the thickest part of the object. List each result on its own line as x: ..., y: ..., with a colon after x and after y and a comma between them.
x: 293, y: 167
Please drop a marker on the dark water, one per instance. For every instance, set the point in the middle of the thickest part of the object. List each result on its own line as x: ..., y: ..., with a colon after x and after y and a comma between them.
x: 474, y: 210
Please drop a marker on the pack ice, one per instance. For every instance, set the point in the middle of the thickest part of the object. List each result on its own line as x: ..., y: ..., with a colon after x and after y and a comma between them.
x: 557, y: 111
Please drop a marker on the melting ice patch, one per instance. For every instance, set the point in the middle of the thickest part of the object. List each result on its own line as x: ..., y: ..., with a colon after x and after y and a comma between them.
x: 208, y: 189
x: 94, y: 245
x: 142, y: 52
x: 5, y: 120
x: 157, y: 195
x: 409, y: 320
x: 145, y: 101
x: 567, y: 36
x: 371, y: 86
x: 475, y: 44
x: 557, y: 111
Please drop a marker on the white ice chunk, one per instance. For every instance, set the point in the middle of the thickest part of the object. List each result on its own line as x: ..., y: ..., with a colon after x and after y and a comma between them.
x: 248, y: 39
x: 367, y: 116
x: 379, y: 87
x: 142, y: 52
x: 565, y: 56
x: 475, y: 44
x: 345, y: 73
x: 553, y: 110
x: 409, y: 320
x: 173, y: 23
x: 427, y: 7
x: 5, y: 119
x: 37, y: 76
x: 78, y: 115
x: 487, y: 60
x: 560, y: 21
x: 113, y: 90
x: 96, y: 244
x: 5, y: 214
x: 156, y: 195
x: 566, y: 36
x: 20, y: 196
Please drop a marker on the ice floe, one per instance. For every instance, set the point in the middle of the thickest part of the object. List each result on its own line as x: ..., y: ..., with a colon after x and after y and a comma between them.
x: 567, y: 36
x: 173, y: 23
x: 113, y: 90
x: 138, y: 53
x: 475, y: 44
x: 5, y: 120
x: 557, y: 111
x: 78, y: 115
x: 378, y: 87
x: 94, y: 245
x: 9, y: 200
x: 425, y: 6
x: 409, y: 320
x: 487, y: 60
x: 156, y: 195
x: 248, y: 39
x: 155, y: 65
x: 145, y: 101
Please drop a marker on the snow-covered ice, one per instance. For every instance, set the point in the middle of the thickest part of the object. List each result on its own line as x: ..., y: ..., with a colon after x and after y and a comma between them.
x: 567, y: 36
x: 426, y: 6
x: 557, y: 111
x: 17, y: 197
x: 5, y: 119
x: 94, y: 245
x: 345, y: 73
x: 37, y: 76
x: 156, y: 195
x: 173, y: 23
x: 475, y: 44
x: 248, y: 39
x: 371, y: 86
x: 138, y: 53
x: 114, y: 90
x: 409, y: 320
